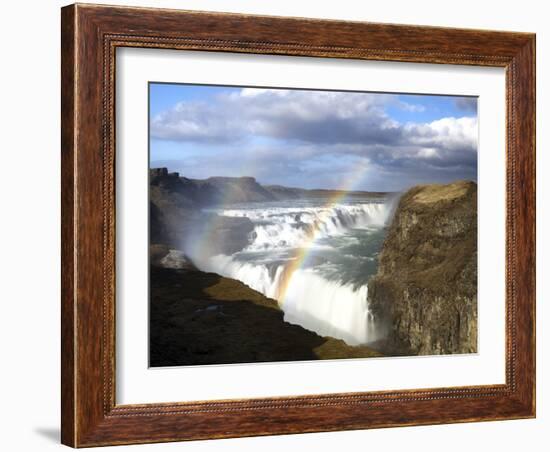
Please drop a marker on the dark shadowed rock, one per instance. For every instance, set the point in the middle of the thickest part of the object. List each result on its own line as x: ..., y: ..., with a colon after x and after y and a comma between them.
x: 203, y: 318
x: 176, y: 216
x: 425, y: 290
x: 212, y: 234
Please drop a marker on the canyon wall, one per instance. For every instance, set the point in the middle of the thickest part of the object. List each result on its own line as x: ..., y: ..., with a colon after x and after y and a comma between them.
x: 425, y: 289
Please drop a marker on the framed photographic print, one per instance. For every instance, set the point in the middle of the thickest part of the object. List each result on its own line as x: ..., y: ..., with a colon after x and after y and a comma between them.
x: 281, y: 225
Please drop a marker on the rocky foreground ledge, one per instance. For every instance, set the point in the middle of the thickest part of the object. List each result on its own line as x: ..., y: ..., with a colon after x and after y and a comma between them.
x: 425, y: 290
x: 203, y: 318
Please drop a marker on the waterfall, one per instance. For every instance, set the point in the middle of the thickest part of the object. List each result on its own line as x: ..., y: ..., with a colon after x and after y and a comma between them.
x: 289, y: 227
x: 281, y: 235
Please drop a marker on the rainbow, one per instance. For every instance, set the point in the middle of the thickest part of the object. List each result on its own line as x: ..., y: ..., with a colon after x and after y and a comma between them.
x: 195, y: 248
x: 301, y: 255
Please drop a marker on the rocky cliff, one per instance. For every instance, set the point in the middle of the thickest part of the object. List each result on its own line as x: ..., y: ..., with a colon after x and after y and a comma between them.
x: 237, y: 189
x: 175, y: 214
x: 224, y: 190
x: 425, y: 289
x: 207, y: 192
x: 203, y: 318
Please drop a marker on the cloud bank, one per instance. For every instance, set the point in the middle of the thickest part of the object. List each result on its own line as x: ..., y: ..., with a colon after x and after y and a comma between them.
x: 316, y: 137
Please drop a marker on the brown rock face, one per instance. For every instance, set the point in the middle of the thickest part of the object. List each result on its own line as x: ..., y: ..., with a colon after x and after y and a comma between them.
x: 425, y: 290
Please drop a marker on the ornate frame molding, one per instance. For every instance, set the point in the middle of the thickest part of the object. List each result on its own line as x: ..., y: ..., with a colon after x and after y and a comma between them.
x: 90, y: 37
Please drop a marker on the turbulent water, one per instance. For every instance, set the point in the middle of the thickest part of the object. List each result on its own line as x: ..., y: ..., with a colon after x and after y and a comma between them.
x: 314, y: 258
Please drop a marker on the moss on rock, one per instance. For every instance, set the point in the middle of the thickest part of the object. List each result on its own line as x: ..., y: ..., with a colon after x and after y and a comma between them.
x: 425, y: 290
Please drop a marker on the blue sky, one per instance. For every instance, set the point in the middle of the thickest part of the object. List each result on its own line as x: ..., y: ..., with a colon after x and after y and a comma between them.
x: 313, y: 139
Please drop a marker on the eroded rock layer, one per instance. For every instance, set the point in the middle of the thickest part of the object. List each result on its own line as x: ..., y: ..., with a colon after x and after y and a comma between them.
x: 425, y: 289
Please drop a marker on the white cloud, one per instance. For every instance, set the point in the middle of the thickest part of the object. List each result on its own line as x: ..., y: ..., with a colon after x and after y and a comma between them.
x: 412, y: 108
x: 312, y: 124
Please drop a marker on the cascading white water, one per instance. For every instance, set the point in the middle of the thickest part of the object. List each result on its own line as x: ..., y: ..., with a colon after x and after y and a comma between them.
x: 328, y: 306
x: 289, y: 227
x: 255, y: 276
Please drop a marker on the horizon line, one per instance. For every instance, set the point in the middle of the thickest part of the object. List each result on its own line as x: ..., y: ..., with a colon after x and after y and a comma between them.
x: 169, y: 171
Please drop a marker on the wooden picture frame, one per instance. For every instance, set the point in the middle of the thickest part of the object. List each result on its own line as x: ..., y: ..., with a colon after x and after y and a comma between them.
x: 90, y: 36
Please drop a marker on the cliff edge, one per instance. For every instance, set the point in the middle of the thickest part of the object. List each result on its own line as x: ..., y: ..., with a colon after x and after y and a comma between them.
x: 203, y: 318
x: 425, y: 289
